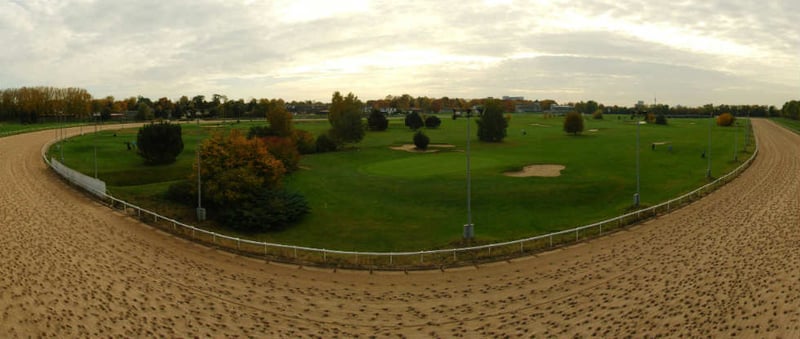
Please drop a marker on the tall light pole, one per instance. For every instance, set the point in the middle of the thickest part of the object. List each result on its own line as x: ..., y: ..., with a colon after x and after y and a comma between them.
x: 638, y: 186
x: 708, y: 153
x: 201, y: 212
x: 469, y: 228
x: 94, y: 141
x: 735, y: 140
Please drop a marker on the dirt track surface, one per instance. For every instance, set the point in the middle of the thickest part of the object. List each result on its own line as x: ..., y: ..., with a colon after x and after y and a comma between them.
x: 728, y: 264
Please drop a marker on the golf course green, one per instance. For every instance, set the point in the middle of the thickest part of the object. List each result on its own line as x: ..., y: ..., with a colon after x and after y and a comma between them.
x: 371, y: 197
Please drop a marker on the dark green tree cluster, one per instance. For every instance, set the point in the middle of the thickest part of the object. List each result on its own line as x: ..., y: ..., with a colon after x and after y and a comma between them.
x: 573, y: 123
x: 377, y: 121
x: 492, y: 124
x: 414, y: 121
x: 421, y: 140
x: 160, y: 143
x: 433, y: 122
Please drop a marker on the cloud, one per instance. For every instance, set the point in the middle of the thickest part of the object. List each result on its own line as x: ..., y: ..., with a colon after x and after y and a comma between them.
x: 613, y: 51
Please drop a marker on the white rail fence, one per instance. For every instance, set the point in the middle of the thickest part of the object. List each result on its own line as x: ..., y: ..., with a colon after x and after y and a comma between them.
x: 393, y: 260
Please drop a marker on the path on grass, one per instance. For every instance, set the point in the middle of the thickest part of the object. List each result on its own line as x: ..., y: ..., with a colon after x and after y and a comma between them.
x: 728, y: 264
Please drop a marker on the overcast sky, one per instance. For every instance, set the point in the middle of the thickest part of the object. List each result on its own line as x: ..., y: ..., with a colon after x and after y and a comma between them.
x: 612, y: 51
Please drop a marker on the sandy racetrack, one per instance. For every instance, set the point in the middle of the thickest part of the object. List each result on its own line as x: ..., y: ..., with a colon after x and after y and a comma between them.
x: 728, y: 264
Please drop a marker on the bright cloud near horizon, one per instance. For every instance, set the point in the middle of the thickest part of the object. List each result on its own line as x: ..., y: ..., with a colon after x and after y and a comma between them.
x: 612, y: 51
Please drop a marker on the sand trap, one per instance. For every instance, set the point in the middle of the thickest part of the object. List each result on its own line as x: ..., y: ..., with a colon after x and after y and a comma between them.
x: 593, y: 130
x: 413, y: 148
x: 538, y: 171
x: 539, y: 125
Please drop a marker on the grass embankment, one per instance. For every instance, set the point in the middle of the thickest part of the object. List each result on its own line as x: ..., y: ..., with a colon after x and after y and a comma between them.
x: 373, y: 198
x: 793, y: 125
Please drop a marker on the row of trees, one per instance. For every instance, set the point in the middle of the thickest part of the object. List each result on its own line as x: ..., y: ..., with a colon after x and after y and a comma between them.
x: 29, y: 104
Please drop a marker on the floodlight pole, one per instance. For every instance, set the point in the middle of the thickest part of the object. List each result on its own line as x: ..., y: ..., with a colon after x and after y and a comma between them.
x: 469, y: 228
x: 636, y: 196
x: 710, y: 124
x: 201, y: 212
x: 735, y: 140
x: 94, y: 141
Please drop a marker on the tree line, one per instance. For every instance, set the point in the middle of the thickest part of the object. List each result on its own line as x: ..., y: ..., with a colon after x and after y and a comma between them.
x: 32, y: 104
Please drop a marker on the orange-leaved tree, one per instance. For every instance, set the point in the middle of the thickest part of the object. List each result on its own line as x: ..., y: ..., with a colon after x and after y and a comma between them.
x: 234, y: 167
x: 725, y: 119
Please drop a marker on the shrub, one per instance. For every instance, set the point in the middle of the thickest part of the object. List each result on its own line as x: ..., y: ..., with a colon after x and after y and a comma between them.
x: 306, y: 144
x: 267, y: 210
x: 661, y: 119
x: 421, y: 140
x: 433, y: 122
x: 181, y: 192
x: 414, y: 121
x: 598, y: 114
x: 725, y: 119
x: 492, y: 124
x: 651, y: 118
x: 573, y: 123
x: 325, y: 144
x: 160, y: 143
x: 377, y: 121
x: 260, y: 132
x: 280, y: 120
x: 285, y: 150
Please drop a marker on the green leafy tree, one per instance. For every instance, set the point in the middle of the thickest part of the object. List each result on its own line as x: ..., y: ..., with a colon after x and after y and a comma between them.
x: 280, y: 120
x: 377, y: 121
x: 414, y: 121
x: 433, y: 122
x: 160, y: 143
x: 661, y: 119
x: 421, y: 140
x: 573, y: 123
x: 492, y: 124
x: 345, y: 118
x: 144, y: 112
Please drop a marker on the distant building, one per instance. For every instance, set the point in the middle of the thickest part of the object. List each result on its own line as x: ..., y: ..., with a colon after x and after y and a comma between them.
x: 561, y: 109
x: 528, y: 107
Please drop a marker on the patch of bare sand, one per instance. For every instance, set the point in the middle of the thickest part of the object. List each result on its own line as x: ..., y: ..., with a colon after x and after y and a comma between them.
x: 548, y: 170
x: 539, y: 125
x: 593, y: 130
x: 413, y: 148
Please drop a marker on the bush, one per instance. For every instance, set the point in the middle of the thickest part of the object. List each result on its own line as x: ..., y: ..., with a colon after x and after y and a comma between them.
x: 421, y: 140
x: 285, y: 150
x: 598, y: 115
x: 377, y: 121
x: 651, y: 118
x: 573, y: 123
x: 260, y: 132
x: 345, y: 118
x: 492, y: 124
x: 306, y: 144
x: 414, y: 121
x: 160, y: 143
x: 182, y: 192
x: 325, y: 144
x: 725, y: 119
x: 267, y: 210
x: 661, y: 119
x: 433, y: 122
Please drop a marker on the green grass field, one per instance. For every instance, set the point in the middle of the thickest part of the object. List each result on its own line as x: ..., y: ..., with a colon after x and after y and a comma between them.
x: 373, y: 198
x: 793, y: 125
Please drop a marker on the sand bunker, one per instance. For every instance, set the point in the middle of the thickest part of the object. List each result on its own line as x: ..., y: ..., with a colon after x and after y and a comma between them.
x: 538, y: 171
x: 539, y: 125
x: 413, y: 148
x: 593, y: 130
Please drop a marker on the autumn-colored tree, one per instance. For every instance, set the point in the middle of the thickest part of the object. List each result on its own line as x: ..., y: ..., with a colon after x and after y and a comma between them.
x: 345, y: 118
x: 285, y: 150
x: 233, y: 168
x: 725, y: 119
x: 306, y: 143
